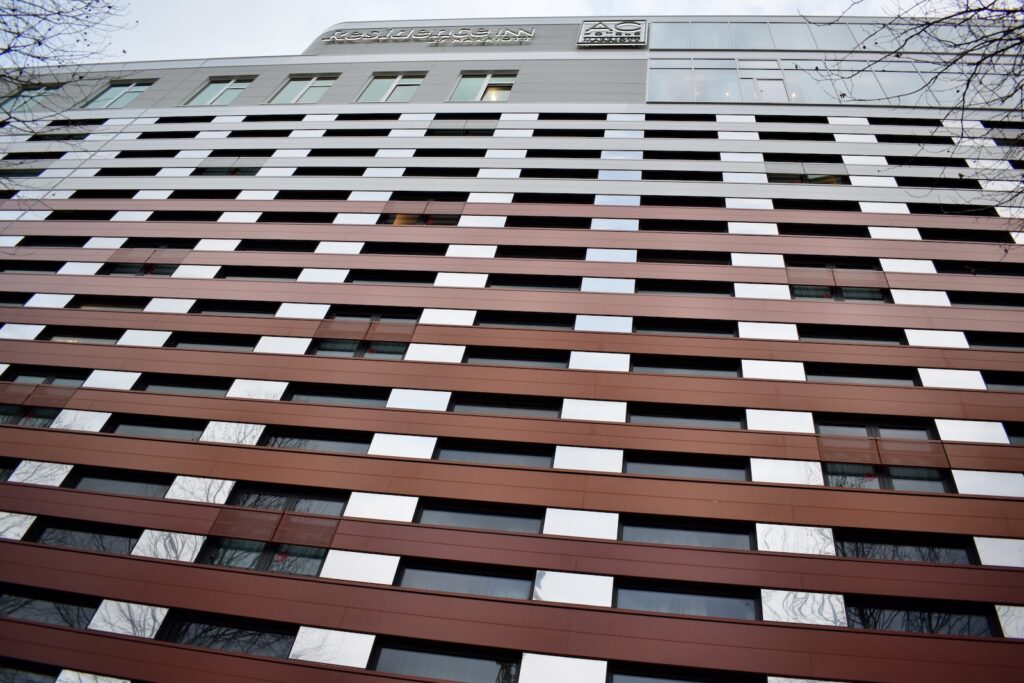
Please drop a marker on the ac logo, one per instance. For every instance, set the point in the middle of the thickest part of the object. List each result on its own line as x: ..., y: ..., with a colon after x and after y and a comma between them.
x: 613, y: 33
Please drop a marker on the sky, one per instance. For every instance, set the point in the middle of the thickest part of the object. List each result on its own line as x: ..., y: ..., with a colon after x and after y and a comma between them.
x: 187, y: 29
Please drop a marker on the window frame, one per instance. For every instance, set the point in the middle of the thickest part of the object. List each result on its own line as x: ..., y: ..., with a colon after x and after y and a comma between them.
x: 396, y: 81
x: 25, y: 98
x: 488, y: 77
x: 266, y: 556
x: 134, y: 88
x: 229, y: 83
x: 292, y: 495
x: 313, y: 81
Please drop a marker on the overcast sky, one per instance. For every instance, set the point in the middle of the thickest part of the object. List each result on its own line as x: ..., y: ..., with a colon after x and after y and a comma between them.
x: 185, y: 29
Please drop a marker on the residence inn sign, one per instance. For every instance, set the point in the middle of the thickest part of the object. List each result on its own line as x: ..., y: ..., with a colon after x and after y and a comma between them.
x: 478, y: 35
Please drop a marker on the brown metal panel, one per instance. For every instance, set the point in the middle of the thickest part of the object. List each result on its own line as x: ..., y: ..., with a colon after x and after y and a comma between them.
x: 306, y: 530
x: 255, y: 524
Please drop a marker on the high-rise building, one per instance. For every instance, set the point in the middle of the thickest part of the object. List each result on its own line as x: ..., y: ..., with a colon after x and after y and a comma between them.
x: 576, y: 350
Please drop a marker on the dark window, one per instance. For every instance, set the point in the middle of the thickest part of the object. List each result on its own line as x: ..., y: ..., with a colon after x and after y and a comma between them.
x: 546, y: 282
x: 1003, y: 381
x: 47, y: 607
x: 323, y: 440
x: 833, y: 262
x: 108, y: 303
x: 218, y: 632
x: 104, y: 538
x: 631, y: 673
x: 433, y: 660
x: 183, y: 384
x: 122, y: 482
x: 682, y: 326
x: 80, y: 335
x: 849, y: 334
x: 687, y: 466
x: 7, y: 467
x: 179, y: 429
x: 874, y: 427
x: 921, y: 616
x: 684, y: 287
x: 304, y: 246
x: 858, y: 294
x: 243, y: 308
x: 504, y: 453
x: 338, y: 394
x: 507, y: 405
x: 160, y: 243
x: 14, y: 671
x: 52, y: 241
x: 211, y: 341
x: 417, y: 219
x: 859, y: 476
x: 404, y: 248
x: 311, y: 501
x: 700, y: 417
x: 226, y: 170
x: 544, y: 321
x: 497, y: 582
x: 901, y: 547
x: 257, y: 273
x: 28, y: 267
x: 528, y: 358
x: 368, y: 314
x: 26, y: 416
x: 861, y: 374
x: 390, y: 277
x: 685, y: 365
x: 31, y: 374
x: 688, y: 532
x: 494, y: 517
x: 138, y: 269
x: 692, y: 599
x: 269, y: 557
x: 351, y: 348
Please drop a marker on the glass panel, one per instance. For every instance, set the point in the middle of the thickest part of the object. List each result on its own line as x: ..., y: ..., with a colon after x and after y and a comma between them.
x: 494, y: 457
x: 925, y: 479
x: 445, y: 666
x: 833, y: 36
x: 233, y: 552
x: 752, y: 37
x: 311, y: 442
x: 919, y: 433
x: 23, y: 672
x: 105, y: 98
x: 792, y: 36
x: 290, y: 91
x: 705, y: 538
x: 811, y: 292
x: 377, y: 89
x: 344, y: 348
x: 468, y: 88
x: 232, y: 91
x: 297, y: 559
x: 48, y: 608
x: 670, y: 85
x: 698, y: 604
x: 496, y: 93
x: 127, y: 98
x: 674, y: 36
x: 860, y: 87
x: 475, y: 583
x: 315, y: 92
x: 842, y: 430
x: 686, y: 470
x: 480, y: 520
x: 711, y: 36
x: 252, y: 497
x: 38, y: 417
x: 209, y: 632
x: 128, y: 484
x: 385, y: 350
x: 157, y: 431
x: 902, y: 87
x: 810, y: 88
x: 403, y: 92
x: 850, y: 475
x: 920, y: 618
x: 716, y: 85
x: 332, y: 507
x: 770, y: 90
x: 862, y: 294
x: 206, y: 95
x: 109, y: 540
x: 887, y: 547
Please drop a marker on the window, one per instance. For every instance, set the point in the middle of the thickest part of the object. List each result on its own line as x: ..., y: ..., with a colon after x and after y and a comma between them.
x: 15, y: 671
x: 138, y: 269
x: 492, y: 517
x: 858, y: 476
x: 859, y: 294
x: 103, y: 538
x: 25, y: 99
x: 861, y: 374
x: 117, y: 95
x: 632, y: 673
x: 699, y: 417
x: 324, y: 440
x: 492, y: 87
x: 695, y: 600
x: 687, y: 466
x: 58, y: 377
x: 872, y: 427
x: 391, y: 88
x: 303, y: 90
x: 220, y: 91
x: 526, y: 358
x: 850, y: 334
x: 539, y: 321
x: 183, y: 384
x: 202, y: 341
x: 47, y: 607
x: 338, y: 394
x: 27, y: 416
x: 305, y: 500
x: 507, y: 405
x: 497, y: 582
x: 7, y: 467
x: 921, y: 616
x: 120, y: 482
x: 682, y: 326
x: 80, y: 335
x: 242, y: 308
x: 899, y: 547
x: 685, y: 365
x: 156, y: 428
x: 351, y: 348
x: 367, y: 314
x: 108, y: 303
x: 432, y: 660
x: 218, y: 632
x: 689, y: 532
x: 269, y: 557
x: 503, y: 453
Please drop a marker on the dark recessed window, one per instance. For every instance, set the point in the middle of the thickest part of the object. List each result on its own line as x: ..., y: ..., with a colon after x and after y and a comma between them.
x: 874, y: 427
x: 903, y: 547
x: 687, y: 466
x: 540, y: 321
x: 351, y: 348
x: 506, y: 405
x: 183, y: 384
x: 436, y: 660
x: 682, y: 326
x: 516, y: 454
x: 232, y: 634
x: 29, y: 267
x: 305, y: 500
x: 860, y: 476
x: 1003, y: 381
x: 691, y: 599
x: 684, y: 287
x: 80, y: 335
x: 492, y: 517
x: 390, y: 277
x: 699, y: 417
x: 47, y: 607
x: 688, y: 532
x: 138, y: 269
x: 179, y: 429
x: 32, y: 374
x: 632, y: 673
x: 102, y: 538
x: 160, y: 243
x: 417, y: 219
x: 122, y: 482
x: 338, y: 394
x: 861, y: 374
x: 858, y: 294
x: 15, y: 671
x: 849, y: 334
x: 685, y: 365
x: 832, y: 262
x: 27, y: 416
x: 526, y: 358
x: 323, y: 440
x: 268, y: 557
x: 369, y: 314
x: 7, y: 467
x: 108, y: 303
x: 242, y: 308
x: 545, y: 282
x: 258, y: 273
x: 499, y: 582
x: 945, y: 617
x: 212, y: 341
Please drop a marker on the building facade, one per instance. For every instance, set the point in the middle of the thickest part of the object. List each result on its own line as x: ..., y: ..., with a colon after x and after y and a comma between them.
x: 577, y: 350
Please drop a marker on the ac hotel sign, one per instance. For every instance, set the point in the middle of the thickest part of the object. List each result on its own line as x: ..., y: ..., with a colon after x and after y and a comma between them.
x: 435, y: 36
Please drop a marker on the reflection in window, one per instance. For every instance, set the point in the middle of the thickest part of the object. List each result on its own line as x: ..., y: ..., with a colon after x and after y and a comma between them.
x: 897, y: 547
x: 311, y: 501
x: 860, y: 476
x: 58, y: 377
x: 25, y: 100
x: 218, y: 632
x: 466, y: 578
x: 921, y: 616
x: 271, y: 557
x: 27, y: 416
x: 47, y: 607
x: 156, y: 428
x: 324, y: 440
x: 696, y: 600
x: 303, y: 90
x: 220, y: 91
x: 688, y: 532
x: 874, y: 428
x: 121, y: 482
x: 391, y: 88
x: 495, y: 453
x: 495, y: 517
x: 687, y: 466
x: 117, y: 95
x: 103, y: 538
x: 430, y: 660
x: 491, y: 87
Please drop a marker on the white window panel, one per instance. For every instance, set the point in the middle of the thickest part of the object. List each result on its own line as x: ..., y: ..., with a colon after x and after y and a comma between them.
x: 582, y: 523
x: 368, y: 196
x: 243, y: 433
x: 175, y: 172
x: 19, y: 331
x: 848, y: 121
x: 228, y: 118
x: 737, y: 135
x: 906, y: 265
x: 131, y: 215
x: 473, y: 280
x: 743, y: 156
x: 217, y: 245
x: 788, y: 538
x: 200, y: 489
x: 512, y: 116
x: 881, y: 233
x: 303, y: 311
x: 800, y: 607
x: 735, y: 177
x: 1011, y: 212
x: 346, y: 565
x: 166, y: 545
x: 999, y: 185
x: 196, y: 272
x: 403, y: 446
x: 381, y: 506
x: 12, y: 241
x: 547, y: 668
x: 86, y: 173
x: 80, y: 420
x: 419, y: 399
x: 498, y: 173
x: 603, y: 323
x: 994, y: 164
x: 339, y: 247
x: 169, y: 305
x: 48, y: 301
x: 805, y: 472
x: 616, y: 200
x: 14, y: 525
x: 266, y: 390
x: 127, y: 618
x: 407, y: 132
x: 490, y: 198
x: 1018, y: 237
x: 758, y: 260
x: 577, y: 589
x: 919, y: 297
x: 735, y: 118
x: 626, y: 117
x: 1011, y: 620
x: 261, y: 195
x: 383, y: 172
x: 631, y: 134
x: 855, y: 137
x: 239, y: 216
x: 940, y: 378
x: 773, y: 369
x: 617, y: 174
x: 873, y: 181
x: 755, y: 290
x: 972, y: 431
x: 275, y: 171
x: 326, y: 646
x: 612, y: 255
x: 307, y: 133
x: 608, y: 285
x: 947, y: 339
x: 513, y: 133
x: 39, y: 473
x: 619, y: 224
x: 293, y: 346
x: 884, y: 207
x: 505, y: 154
x: 782, y: 331
x: 594, y: 360
x: 780, y: 421
x: 593, y: 411
x: 631, y: 154
x: 748, y: 203
x: 471, y: 250
x: 589, y: 459
x: 1003, y: 552
x: 416, y: 116
x: 153, y: 338
x: 152, y: 194
x: 395, y: 153
x: 329, y: 275
x: 467, y: 221
x: 973, y: 482
x: 111, y: 379
x: 60, y: 172
x: 435, y: 353
x: 740, y: 228
x: 193, y: 154
x: 447, y: 316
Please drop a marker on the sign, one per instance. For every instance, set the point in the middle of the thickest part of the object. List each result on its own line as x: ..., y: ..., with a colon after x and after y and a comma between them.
x: 479, y: 35
x: 613, y: 33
